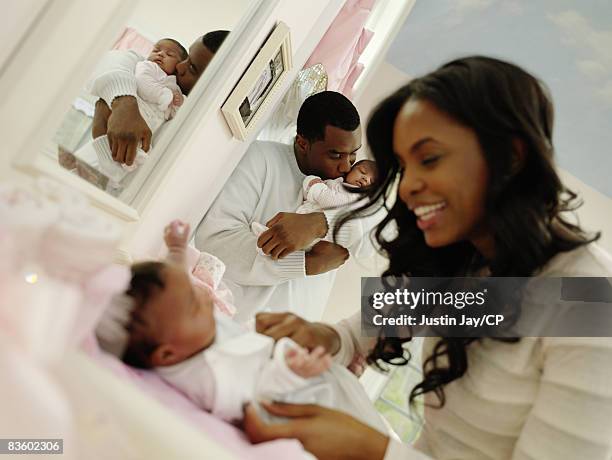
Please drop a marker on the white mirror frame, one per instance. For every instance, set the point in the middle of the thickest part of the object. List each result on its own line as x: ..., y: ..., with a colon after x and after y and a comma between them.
x: 50, y: 100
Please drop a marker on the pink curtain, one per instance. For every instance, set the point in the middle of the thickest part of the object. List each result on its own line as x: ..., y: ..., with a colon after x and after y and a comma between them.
x: 342, y: 45
x: 130, y: 39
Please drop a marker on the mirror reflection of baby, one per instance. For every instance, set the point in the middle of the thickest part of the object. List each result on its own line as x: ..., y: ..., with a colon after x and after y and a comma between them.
x: 217, y: 363
x: 155, y: 78
x: 322, y: 194
x: 159, y: 97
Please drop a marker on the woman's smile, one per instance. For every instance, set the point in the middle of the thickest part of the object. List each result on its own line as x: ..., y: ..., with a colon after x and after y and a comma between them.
x: 429, y: 215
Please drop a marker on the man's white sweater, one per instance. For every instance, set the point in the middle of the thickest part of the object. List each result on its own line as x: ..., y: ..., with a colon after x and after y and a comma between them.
x: 265, y: 182
x: 114, y: 75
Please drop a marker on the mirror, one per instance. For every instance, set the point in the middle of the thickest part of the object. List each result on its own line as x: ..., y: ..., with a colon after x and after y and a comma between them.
x: 163, y: 51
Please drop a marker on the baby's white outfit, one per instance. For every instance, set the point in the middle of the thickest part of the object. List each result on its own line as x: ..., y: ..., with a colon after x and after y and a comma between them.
x: 330, y: 193
x: 155, y: 95
x: 243, y: 366
x: 155, y: 86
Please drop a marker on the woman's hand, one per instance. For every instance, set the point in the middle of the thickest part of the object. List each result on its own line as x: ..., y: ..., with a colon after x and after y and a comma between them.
x: 325, y: 433
x: 304, y: 333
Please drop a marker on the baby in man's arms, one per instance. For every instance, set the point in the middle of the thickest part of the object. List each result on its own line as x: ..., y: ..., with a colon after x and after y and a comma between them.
x: 322, y: 194
x: 159, y: 97
x: 155, y: 78
x: 178, y: 331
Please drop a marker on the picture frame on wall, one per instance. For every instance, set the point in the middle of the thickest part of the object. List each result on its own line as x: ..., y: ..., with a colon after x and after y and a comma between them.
x: 249, y: 99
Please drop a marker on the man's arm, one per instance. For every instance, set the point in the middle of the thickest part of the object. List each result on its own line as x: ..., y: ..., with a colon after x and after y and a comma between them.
x: 114, y: 76
x: 102, y: 113
x: 289, y: 232
x: 324, y: 257
x: 225, y: 230
x: 114, y: 82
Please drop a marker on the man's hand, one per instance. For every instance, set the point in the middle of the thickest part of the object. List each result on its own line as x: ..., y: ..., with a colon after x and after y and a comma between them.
x: 325, y: 256
x: 126, y: 130
x: 308, y: 335
x: 99, y: 125
x: 288, y: 232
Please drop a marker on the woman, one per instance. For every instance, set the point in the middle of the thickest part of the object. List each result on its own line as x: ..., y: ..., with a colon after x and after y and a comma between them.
x: 478, y: 195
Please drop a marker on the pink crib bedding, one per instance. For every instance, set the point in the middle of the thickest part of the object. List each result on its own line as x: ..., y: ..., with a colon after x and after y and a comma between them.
x: 223, y: 433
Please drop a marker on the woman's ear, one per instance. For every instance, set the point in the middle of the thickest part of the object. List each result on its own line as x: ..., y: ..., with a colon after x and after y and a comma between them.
x: 518, y: 155
x: 164, y: 355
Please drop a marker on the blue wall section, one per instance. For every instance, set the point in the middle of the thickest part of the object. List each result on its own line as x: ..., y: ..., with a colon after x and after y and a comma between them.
x: 568, y: 44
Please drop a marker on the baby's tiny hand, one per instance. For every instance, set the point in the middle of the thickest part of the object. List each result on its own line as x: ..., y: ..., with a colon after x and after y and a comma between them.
x: 176, y: 234
x: 307, y: 364
x: 315, y: 181
x: 358, y: 365
x: 177, y: 98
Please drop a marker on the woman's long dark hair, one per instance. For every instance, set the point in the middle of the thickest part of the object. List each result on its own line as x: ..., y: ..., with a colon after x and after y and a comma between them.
x: 505, y: 106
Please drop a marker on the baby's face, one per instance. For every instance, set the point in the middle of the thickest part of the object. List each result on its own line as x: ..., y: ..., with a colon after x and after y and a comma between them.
x: 360, y: 175
x: 167, y: 55
x: 180, y: 318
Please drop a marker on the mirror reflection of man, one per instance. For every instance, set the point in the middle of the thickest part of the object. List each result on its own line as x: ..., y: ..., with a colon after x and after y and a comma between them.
x: 266, y: 186
x: 117, y: 113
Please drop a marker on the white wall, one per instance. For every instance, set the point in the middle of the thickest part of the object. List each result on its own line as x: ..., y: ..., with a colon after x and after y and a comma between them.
x: 184, y: 20
x: 17, y: 17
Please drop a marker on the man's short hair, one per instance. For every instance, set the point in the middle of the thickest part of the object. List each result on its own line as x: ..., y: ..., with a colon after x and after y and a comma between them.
x: 323, y: 109
x: 213, y: 40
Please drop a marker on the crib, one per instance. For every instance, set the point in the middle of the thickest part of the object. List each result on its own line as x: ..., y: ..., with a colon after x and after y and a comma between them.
x: 56, y: 278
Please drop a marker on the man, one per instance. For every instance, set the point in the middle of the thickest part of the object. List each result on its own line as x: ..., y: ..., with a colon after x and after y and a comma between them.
x: 117, y: 114
x: 268, y: 180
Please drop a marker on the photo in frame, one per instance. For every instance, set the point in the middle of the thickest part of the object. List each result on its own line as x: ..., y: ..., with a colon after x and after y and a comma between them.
x: 252, y: 94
